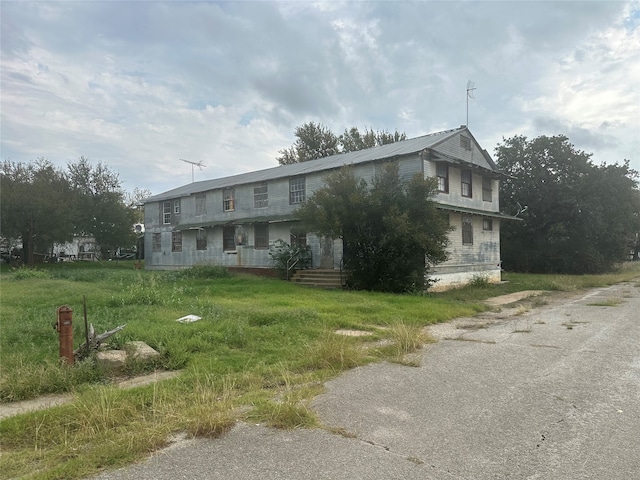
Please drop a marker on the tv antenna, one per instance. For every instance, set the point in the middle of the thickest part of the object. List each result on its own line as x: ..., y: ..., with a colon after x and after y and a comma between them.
x: 193, y: 164
x: 470, y: 89
x: 521, y: 209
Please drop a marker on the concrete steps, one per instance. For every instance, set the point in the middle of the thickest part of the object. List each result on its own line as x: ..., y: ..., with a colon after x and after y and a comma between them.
x: 320, y: 278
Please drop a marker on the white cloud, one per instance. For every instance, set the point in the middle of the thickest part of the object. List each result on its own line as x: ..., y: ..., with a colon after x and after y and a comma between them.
x: 140, y: 85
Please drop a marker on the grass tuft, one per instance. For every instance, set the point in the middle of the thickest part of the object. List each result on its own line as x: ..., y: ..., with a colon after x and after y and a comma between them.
x: 609, y: 302
x: 335, y: 352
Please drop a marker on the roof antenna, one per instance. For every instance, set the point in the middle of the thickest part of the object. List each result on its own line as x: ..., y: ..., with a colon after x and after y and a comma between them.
x: 521, y: 209
x: 470, y: 89
x: 193, y: 164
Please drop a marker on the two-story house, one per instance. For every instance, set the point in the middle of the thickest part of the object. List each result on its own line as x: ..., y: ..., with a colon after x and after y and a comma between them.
x: 234, y: 221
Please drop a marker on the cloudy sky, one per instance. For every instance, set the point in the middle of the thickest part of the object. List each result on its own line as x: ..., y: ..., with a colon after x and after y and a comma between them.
x: 139, y: 85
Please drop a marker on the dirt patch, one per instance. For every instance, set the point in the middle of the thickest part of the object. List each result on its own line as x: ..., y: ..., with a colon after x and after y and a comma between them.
x: 513, y: 297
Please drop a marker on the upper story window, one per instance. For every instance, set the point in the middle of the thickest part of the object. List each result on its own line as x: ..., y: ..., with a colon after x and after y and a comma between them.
x: 228, y: 202
x: 466, y: 183
x: 487, y: 189
x: 170, y: 209
x: 465, y: 142
x: 166, y: 213
x: 201, y: 203
x: 442, y: 172
x: 260, y: 196
x: 297, y: 190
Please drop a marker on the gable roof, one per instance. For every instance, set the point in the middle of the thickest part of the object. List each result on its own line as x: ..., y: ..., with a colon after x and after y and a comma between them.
x: 392, y: 150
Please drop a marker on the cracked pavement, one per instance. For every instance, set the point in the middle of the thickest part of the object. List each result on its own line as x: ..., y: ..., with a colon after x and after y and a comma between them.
x: 550, y: 392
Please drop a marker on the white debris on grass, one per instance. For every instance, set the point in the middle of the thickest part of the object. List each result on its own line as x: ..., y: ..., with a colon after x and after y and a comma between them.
x: 189, y: 319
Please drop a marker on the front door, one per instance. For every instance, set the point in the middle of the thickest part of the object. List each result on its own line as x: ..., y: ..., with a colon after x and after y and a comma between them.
x: 326, y: 253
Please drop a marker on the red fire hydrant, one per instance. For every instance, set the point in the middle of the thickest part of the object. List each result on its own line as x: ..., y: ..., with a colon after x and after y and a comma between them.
x: 64, y: 327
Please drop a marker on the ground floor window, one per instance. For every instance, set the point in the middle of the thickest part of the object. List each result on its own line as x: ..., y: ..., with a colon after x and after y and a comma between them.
x: 156, y: 242
x: 176, y: 241
x: 487, y: 224
x: 298, y: 239
x: 201, y: 239
x: 467, y: 231
x: 229, y: 238
x: 261, y: 233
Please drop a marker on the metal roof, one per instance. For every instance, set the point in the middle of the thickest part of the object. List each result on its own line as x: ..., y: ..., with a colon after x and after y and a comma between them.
x: 397, y: 149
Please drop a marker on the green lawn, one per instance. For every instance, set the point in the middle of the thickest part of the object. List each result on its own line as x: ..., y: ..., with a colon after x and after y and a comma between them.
x: 261, y: 352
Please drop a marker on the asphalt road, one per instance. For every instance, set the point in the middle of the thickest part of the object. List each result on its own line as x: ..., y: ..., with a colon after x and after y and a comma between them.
x: 552, y: 393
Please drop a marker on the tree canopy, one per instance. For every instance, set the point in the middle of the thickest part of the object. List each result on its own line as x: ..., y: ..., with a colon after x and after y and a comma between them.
x: 43, y: 205
x: 391, y: 230
x: 35, y: 205
x: 314, y: 140
x: 579, y: 217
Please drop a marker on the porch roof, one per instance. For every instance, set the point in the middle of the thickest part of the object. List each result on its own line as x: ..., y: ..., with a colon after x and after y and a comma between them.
x: 475, y: 211
x: 239, y: 221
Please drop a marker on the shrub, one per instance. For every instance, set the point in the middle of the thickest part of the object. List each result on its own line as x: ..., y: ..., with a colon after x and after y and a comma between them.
x: 284, y: 255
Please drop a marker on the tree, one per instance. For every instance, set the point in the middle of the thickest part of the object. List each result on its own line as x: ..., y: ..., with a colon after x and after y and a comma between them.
x: 35, y: 204
x: 134, y: 201
x: 392, y: 231
x: 352, y: 140
x: 578, y: 216
x: 42, y: 205
x: 314, y: 141
x: 100, y: 205
x: 317, y: 141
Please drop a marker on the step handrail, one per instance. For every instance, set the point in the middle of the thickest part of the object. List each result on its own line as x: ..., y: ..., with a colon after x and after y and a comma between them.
x: 292, y: 261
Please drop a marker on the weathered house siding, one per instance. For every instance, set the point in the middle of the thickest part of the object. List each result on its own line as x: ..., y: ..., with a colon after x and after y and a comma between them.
x: 466, y: 262
x: 478, y: 258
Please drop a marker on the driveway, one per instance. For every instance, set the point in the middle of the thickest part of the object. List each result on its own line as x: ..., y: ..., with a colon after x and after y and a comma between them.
x: 552, y: 392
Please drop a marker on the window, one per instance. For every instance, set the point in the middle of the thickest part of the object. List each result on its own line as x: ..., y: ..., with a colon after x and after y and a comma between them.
x: 297, y: 190
x: 176, y: 241
x: 487, y: 224
x: 176, y: 207
x: 298, y: 239
x: 201, y: 239
x: 156, y: 242
x: 229, y: 238
x: 166, y: 213
x: 465, y: 142
x: 442, y: 172
x: 261, y: 233
x: 466, y: 183
x: 260, y: 196
x: 201, y: 203
x: 228, y: 202
x: 487, y: 192
x: 467, y: 231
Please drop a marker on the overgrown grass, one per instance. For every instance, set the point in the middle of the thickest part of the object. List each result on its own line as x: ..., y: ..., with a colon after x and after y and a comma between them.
x: 261, y: 352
